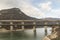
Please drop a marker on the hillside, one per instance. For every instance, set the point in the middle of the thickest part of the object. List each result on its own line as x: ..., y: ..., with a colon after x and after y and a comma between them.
x: 14, y: 14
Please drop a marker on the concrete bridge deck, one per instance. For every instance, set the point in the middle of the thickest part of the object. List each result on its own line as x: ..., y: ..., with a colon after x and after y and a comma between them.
x: 29, y: 22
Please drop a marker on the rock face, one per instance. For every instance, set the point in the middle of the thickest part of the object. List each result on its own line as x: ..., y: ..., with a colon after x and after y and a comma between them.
x: 14, y: 14
x: 55, y: 35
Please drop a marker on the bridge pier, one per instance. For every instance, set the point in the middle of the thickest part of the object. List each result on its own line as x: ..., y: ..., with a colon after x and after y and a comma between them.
x: 11, y: 27
x: 34, y: 27
x: 45, y: 28
x: 22, y: 26
x: 35, y: 34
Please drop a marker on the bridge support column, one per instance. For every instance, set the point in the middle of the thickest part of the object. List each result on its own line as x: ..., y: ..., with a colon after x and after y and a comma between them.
x: 11, y: 27
x: 34, y: 34
x: 22, y: 26
x: 45, y: 28
x: 34, y: 27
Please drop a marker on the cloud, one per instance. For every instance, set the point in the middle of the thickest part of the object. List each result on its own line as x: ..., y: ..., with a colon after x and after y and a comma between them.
x: 5, y: 4
x: 48, y: 11
x: 45, y: 6
x: 30, y: 10
x: 55, y: 13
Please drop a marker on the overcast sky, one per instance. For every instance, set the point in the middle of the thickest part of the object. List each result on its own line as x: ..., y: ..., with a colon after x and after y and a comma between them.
x: 34, y: 8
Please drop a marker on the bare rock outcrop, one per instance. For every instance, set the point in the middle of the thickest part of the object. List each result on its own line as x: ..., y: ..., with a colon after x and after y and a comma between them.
x: 55, y: 35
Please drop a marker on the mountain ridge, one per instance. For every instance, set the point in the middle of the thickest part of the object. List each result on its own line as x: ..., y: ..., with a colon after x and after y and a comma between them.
x: 49, y: 18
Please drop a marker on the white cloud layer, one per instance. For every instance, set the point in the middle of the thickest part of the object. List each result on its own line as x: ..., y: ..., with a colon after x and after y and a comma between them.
x: 48, y: 11
x: 55, y: 13
x: 45, y: 6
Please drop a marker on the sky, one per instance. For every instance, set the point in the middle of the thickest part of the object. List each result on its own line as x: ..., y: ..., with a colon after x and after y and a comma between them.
x: 34, y: 8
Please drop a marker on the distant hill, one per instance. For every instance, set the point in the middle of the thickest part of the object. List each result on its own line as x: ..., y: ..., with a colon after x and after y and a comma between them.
x: 51, y: 19
x: 14, y: 14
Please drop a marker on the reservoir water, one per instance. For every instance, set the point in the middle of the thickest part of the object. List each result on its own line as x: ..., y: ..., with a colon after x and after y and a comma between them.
x: 25, y: 35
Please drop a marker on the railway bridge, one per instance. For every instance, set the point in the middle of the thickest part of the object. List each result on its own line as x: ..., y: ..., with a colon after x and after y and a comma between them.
x: 21, y: 24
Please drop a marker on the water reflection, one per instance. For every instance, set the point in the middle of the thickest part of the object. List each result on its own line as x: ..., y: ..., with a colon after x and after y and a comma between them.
x: 45, y: 32
x: 35, y: 34
x: 11, y: 35
x: 25, y: 35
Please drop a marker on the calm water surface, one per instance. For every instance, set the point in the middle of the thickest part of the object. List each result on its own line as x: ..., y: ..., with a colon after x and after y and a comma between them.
x: 26, y: 35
